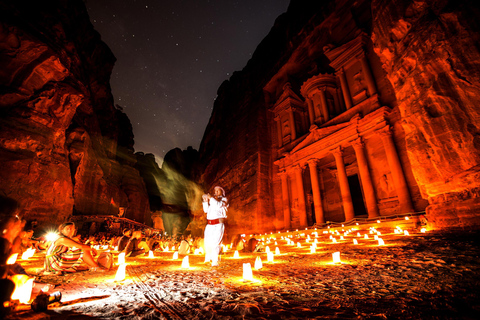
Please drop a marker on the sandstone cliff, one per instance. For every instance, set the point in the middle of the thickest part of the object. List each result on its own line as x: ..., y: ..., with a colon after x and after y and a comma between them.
x: 64, y: 147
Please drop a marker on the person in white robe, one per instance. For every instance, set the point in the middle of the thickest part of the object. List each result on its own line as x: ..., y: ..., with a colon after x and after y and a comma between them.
x: 216, y: 209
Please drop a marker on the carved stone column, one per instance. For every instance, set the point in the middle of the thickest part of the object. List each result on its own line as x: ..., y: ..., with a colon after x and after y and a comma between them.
x: 279, y: 131
x: 365, y: 178
x: 311, y: 111
x: 397, y: 172
x: 293, y: 131
x: 317, y: 198
x: 367, y: 72
x: 323, y: 101
x: 285, y: 202
x: 345, y: 90
x: 301, y: 197
x: 344, y: 187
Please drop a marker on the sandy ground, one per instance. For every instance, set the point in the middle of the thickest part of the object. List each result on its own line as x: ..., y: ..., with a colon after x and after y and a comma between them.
x: 432, y: 275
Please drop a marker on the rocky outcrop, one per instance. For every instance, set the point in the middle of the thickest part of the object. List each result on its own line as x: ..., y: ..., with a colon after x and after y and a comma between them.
x: 429, y: 50
x: 64, y: 147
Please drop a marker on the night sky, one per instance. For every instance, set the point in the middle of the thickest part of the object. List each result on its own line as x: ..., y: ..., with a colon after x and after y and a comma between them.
x: 172, y: 55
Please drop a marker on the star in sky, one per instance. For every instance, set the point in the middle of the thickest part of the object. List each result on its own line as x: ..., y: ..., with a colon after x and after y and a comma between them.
x: 172, y: 56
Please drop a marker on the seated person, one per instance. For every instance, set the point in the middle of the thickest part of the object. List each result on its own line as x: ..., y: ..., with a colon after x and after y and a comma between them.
x: 66, y: 255
x: 136, y: 247
x: 123, y: 241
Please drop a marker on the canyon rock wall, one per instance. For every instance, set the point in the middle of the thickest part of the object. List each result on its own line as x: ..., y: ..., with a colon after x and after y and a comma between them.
x: 64, y: 147
x: 430, y: 52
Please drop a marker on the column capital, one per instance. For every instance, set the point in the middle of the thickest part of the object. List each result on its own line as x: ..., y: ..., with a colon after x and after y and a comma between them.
x: 358, y: 143
x: 312, y: 162
x: 385, y: 131
x: 337, y: 152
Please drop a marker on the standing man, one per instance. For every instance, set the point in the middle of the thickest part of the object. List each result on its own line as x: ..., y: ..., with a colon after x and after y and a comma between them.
x: 216, y: 209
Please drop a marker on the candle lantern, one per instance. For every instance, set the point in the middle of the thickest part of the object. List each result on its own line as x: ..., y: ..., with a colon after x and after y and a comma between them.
x: 12, y: 259
x: 121, y: 258
x: 120, y: 275
x: 185, y: 263
x: 247, y: 272
x: 258, y: 263
x: 270, y: 256
x: 23, y: 288
x: 336, y: 257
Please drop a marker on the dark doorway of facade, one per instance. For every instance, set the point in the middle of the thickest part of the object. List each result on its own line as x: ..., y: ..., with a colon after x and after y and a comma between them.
x: 357, y: 197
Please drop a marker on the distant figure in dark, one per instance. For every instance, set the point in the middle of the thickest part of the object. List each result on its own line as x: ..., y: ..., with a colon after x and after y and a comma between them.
x: 135, y: 246
x: 122, y: 243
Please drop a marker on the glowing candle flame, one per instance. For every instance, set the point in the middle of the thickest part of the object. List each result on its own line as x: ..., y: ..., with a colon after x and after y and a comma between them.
x: 312, y: 249
x: 336, y: 257
x: 358, y: 234
x: 366, y: 236
x: 270, y: 257
x: 381, y: 242
x: 407, y: 218
x: 375, y: 237
x: 247, y: 272
x: 185, y: 263
x: 299, y: 245
x: 12, y: 259
x: 236, y: 255
x: 276, y: 243
x: 341, y: 238
x: 150, y: 254
x: 120, y: 275
x: 423, y: 230
x: 277, y: 250
x: 355, y: 241
x: 175, y: 255
x: 334, y: 240
x: 258, y: 263
x: 378, y: 221
x: 116, y: 248
x: 405, y: 232
x: 23, y: 288
x: 267, y: 249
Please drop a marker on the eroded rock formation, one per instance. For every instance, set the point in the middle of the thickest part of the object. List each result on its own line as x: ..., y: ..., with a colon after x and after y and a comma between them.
x: 352, y: 109
x: 64, y: 147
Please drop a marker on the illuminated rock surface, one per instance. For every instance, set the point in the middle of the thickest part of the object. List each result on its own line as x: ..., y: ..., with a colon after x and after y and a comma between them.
x: 64, y: 147
x: 422, y: 276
